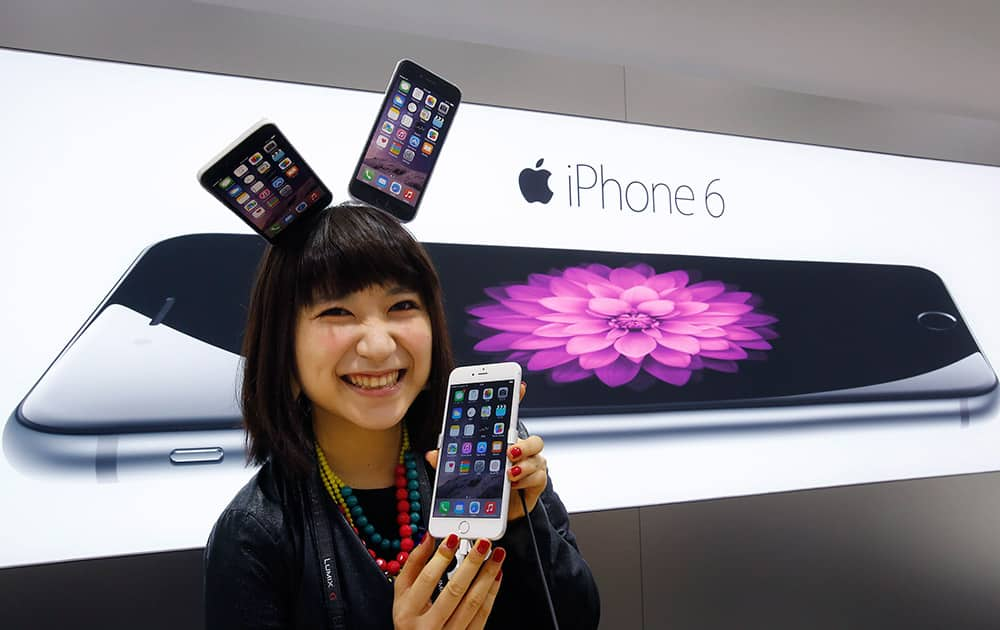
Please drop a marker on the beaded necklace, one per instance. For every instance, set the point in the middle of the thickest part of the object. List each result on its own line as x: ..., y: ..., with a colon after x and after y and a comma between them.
x: 407, y: 508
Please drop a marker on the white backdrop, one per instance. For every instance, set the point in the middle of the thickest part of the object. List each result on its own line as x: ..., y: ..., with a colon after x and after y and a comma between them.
x: 99, y: 161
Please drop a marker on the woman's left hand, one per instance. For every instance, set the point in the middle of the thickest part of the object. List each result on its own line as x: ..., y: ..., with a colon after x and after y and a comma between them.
x: 528, y: 472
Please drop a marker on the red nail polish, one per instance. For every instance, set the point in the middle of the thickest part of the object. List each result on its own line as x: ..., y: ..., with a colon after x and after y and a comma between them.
x: 515, y: 452
x: 515, y: 471
x: 499, y: 575
x: 483, y: 546
x: 451, y: 542
x: 499, y: 554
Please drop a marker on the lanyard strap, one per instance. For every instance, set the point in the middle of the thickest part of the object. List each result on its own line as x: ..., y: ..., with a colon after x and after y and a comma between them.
x: 326, y: 564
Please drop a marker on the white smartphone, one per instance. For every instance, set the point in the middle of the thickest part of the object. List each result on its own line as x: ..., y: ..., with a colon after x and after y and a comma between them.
x: 471, y: 488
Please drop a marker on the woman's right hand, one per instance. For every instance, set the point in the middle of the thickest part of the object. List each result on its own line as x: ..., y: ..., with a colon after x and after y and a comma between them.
x: 465, y: 602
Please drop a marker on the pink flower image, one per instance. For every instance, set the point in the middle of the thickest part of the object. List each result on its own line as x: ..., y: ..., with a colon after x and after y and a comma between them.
x: 592, y: 320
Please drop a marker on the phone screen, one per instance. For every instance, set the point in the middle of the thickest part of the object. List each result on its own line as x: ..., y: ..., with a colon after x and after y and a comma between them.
x: 406, y: 141
x: 266, y: 182
x: 472, y: 463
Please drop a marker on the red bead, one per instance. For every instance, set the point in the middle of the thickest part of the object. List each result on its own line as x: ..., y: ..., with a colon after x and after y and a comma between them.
x: 402, y: 557
x: 403, y: 506
x: 381, y: 563
x: 371, y: 552
x: 400, y: 470
x: 402, y: 493
x: 403, y: 519
x: 406, y: 544
x: 405, y: 531
x: 400, y: 482
x: 393, y: 567
x: 356, y: 531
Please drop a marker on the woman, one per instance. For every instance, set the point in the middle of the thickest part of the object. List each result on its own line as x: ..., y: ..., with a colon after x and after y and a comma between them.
x: 347, y: 361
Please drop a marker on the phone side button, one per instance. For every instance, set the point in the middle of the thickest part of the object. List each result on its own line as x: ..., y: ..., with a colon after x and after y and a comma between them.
x: 197, y: 455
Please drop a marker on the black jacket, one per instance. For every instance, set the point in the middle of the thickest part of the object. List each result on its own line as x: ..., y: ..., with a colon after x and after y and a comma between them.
x: 257, y: 574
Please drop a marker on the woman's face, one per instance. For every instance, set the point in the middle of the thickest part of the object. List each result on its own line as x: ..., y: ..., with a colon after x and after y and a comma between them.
x: 364, y: 358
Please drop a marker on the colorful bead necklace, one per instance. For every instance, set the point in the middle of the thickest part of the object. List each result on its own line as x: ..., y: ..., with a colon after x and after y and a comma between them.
x: 407, y: 508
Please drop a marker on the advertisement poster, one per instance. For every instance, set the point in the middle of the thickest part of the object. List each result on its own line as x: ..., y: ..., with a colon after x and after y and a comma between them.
x: 698, y: 315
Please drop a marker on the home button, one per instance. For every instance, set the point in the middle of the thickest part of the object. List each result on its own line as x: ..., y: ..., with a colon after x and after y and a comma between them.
x: 463, y: 527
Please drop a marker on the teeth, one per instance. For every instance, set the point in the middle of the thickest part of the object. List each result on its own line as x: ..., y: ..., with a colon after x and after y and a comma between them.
x: 373, y: 382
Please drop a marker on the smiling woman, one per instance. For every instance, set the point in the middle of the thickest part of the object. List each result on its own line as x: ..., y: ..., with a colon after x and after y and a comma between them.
x: 346, y: 364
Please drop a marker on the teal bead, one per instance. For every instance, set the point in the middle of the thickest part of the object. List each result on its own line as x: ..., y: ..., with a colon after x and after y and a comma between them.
x: 356, y: 511
x: 395, y: 545
x: 412, y: 484
x: 346, y: 491
x: 368, y: 529
x: 376, y: 538
x: 361, y: 521
x: 414, y: 495
x: 411, y: 464
x: 351, y: 501
x: 386, y: 544
x: 414, y: 517
x: 411, y: 474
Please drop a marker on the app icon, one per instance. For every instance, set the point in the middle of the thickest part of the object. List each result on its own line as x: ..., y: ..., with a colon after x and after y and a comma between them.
x: 242, y: 199
x: 248, y: 179
x: 273, y: 201
x: 469, y: 429
x: 393, y: 114
x: 255, y: 158
x: 401, y: 133
x: 412, y: 108
x: 473, y: 394
x: 474, y: 507
x: 443, y: 107
x: 314, y: 196
x: 286, y: 190
x: 438, y: 121
x: 289, y: 218
x: 251, y: 205
x: 418, y: 94
x: 414, y: 141
x: 454, y: 430
x: 425, y: 114
x: 409, y: 194
x: 398, y: 100
x: 292, y: 172
x: 406, y: 121
x: 444, y: 506
x: 490, y: 507
x: 432, y: 135
x: 388, y: 127
x: 456, y: 413
x: 264, y: 194
x: 382, y: 142
x: 452, y: 448
x: 395, y: 188
x: 501, y: 411
x: 466, y: 448
x: 263, y: 167
x: 494, y: 465
x: 275, y: 227
x: 503, y: 392
x: 404, y: 86
x: 285, y: 163
x: 235, y: 190
x: 497, y: 447
x: 449, y: 466
x: 381, y: 181
x: 427, y: 149
x: 258, y: 213
x: 498, y: 428
x: 278, y: 155
x: 301, y: 207
x: 226, y: 182
x: 278, y: 182
x: 256, y: 187
x: 396, y: 148
x: 471, y: 412
x: 368, y: 174
x: 431, y: 100
x: 480, y: 465
x: 485, y: 411
x: 488, y: 393
x: 481, y: 447
x: 241, y: 170
x: 459, y: 507
x: 459, y: 395
x: 270, y: 146
x: 463, y: 467
x: 408, y: 155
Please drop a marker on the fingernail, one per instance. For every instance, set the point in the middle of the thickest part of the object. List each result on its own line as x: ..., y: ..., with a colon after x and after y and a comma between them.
x: 515, y: 452
x: 483, y: 546
x: 451, y: 542
x: 499, y: 554
x: 499, y: 575
x: 515, y: 471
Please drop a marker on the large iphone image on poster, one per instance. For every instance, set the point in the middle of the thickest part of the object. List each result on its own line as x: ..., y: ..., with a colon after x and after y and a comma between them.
x: 610, y: 342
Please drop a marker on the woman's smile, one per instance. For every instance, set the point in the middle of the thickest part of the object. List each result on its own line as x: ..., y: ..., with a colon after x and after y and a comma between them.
x: 383, y: 383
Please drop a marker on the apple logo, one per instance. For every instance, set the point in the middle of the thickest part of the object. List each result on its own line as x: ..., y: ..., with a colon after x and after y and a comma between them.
x: 535, y: 184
